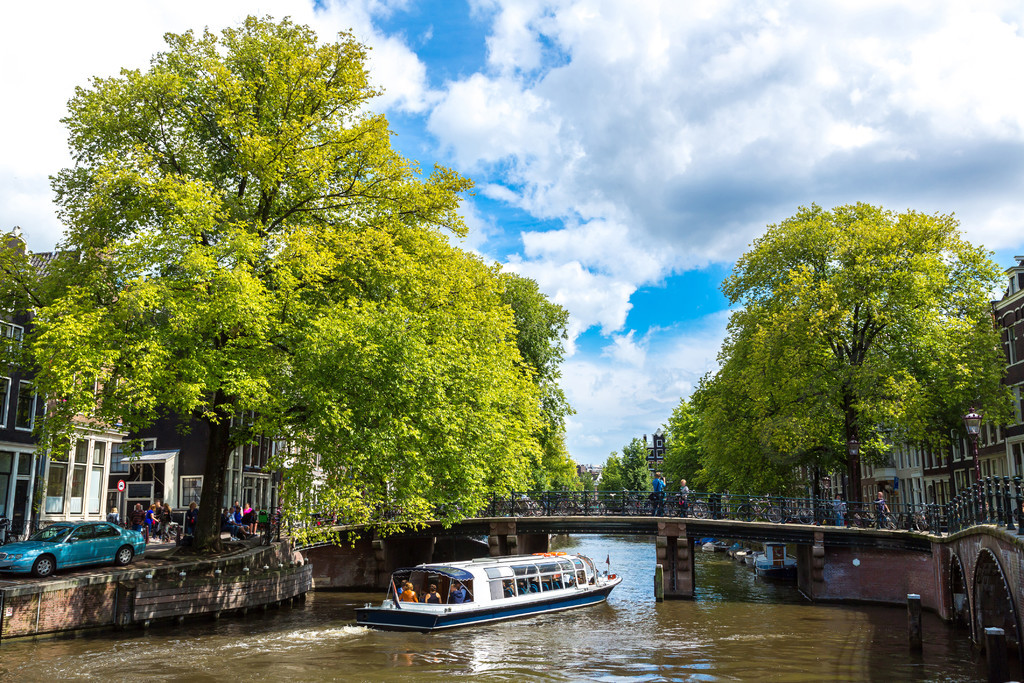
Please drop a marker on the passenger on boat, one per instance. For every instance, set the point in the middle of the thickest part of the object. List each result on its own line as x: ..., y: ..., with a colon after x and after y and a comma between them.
x: 408, y: 593
x: 556, y: 582
x: 534, y: 586
x: 457, y: 594
x: 432, y: 595
x: 509, y: 591
x: 522, y: 586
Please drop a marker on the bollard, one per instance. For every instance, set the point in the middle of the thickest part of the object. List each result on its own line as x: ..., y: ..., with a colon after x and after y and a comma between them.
x: 659, y: 583
x: 914, y: 620
x: 995, y: 651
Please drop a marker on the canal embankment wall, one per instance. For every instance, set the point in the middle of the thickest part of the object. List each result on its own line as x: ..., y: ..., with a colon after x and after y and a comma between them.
x: 254, y: 578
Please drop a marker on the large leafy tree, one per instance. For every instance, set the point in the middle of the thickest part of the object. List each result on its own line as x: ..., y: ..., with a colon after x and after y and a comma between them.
x: 854, y: 323
x: 611, y: 475
x: 242, y: 237
x: 540, y: 331
x: 682, y: 449
x: 636, y: 476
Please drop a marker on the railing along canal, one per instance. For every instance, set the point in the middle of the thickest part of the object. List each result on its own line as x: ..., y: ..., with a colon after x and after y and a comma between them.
x: 993, y: 500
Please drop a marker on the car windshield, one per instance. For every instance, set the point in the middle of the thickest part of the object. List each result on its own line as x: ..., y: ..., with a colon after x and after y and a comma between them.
x: 51, y: 534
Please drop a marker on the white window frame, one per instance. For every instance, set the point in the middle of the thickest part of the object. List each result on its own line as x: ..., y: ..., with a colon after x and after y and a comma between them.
x: 184, y: 486
x: 32, y: 411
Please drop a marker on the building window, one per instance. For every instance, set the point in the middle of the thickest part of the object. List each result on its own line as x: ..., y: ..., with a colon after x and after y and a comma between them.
x: 1011, y: 345
x: 55, y: 486
x: 118, y: 459
x: 11, y: 334
x: 25, y: 416
x: 78, y: 476
x: 191, y: 491
x: 99, y: 458
x: 5, y: 397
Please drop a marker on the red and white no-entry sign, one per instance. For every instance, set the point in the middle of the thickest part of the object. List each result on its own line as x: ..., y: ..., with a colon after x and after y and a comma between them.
x: 120, y: 484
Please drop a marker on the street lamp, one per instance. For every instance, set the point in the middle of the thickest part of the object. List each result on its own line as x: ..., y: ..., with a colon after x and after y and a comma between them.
x: 853, y: 450
x: 972, y: 421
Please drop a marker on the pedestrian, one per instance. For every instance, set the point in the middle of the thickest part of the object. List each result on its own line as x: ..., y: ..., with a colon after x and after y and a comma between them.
x: 113, y: 517
x: 152, y: 524
x: 165, y: 521
x: 684, y: 492
x: 839, y: 507
x: 138, y: 521
x: 249, y: 519
x: 191, y: 519
x: 658, y: 494
x: 881, y: 509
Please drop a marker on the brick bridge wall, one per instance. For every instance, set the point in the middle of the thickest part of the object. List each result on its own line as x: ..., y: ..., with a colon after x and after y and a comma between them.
x: 138, y: 596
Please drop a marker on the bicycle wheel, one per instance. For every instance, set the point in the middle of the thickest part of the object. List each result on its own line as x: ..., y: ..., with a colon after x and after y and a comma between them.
x: 888, y: 521
x: 774, y: 514
x: 804, y: 515
x: 700, y: 510
x: 920, y: 522
x: 745, y: 513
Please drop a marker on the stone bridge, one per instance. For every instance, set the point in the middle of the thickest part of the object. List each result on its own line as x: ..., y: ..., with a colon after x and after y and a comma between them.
x: 975, y: 575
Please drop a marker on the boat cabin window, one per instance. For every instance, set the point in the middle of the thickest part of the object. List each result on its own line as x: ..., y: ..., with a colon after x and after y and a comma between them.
x: 501, y: 582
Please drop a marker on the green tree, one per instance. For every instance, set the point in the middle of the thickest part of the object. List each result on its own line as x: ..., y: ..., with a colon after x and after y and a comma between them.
x: 854, y: 321
x: 540, y: 331
x: 682, y: 449
x: 635, y: 474
x: 242, y: 239
x: 611, y: 475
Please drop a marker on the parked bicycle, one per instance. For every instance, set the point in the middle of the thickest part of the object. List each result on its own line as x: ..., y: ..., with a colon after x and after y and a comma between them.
x: 5, y: 531
x: 271, y: 529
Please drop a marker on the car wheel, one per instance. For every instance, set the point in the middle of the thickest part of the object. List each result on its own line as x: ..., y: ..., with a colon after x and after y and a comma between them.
x: 124, y: 555
x: 43, y: 566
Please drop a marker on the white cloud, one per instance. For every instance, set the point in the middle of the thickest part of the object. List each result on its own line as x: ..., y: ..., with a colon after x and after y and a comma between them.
x: 698, y: 124
x: 636, y: 392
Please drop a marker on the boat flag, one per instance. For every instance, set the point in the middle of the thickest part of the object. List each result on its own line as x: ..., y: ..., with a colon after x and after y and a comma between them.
x: 608, y: 560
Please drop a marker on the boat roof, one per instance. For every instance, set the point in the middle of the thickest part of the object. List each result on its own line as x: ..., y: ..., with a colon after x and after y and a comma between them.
x: 442, y: 569
x: 462, y: 569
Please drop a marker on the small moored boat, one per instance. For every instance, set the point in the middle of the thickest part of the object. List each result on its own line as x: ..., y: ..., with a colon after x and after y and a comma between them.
x: 774, y: 564
x: 486, y: 589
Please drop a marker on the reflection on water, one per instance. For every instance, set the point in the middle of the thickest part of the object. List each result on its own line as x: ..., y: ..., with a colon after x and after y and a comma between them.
x: 737, y: 628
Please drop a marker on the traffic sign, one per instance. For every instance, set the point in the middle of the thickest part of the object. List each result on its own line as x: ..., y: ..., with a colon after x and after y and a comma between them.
x: 120, y: 484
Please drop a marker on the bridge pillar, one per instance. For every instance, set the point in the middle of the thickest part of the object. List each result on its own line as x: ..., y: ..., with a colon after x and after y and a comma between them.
x: 407, y: 552
x: 532, y: 543
x: 503, y: 539
x: 810, y: 567
x: 675, y: 555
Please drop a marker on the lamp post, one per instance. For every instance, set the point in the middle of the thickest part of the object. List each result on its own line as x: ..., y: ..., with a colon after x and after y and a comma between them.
x: 972, y: 422
x: 853, y: 450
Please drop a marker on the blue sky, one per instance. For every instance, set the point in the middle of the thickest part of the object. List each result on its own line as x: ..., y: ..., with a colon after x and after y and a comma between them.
x: 625, y: 153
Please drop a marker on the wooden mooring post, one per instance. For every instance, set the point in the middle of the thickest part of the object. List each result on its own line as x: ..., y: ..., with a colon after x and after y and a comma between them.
x: 659, y: 583
x: 914, y: 621
x: 995, y: 653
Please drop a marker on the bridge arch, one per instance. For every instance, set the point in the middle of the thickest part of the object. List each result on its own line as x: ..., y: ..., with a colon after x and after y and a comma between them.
x: 959, y: 593
x: 993, y: 603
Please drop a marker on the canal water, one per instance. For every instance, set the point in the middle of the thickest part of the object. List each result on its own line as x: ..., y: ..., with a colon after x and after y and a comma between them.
x: 739, y: 628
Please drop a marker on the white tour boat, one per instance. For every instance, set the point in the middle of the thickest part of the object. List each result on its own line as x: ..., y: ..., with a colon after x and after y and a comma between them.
x: 487, y: 589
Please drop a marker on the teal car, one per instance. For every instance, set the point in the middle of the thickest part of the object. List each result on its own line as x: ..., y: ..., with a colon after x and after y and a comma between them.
x: 71, y: 544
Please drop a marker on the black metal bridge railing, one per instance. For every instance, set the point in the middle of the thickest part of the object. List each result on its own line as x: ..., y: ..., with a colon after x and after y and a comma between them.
x: 993, y: 500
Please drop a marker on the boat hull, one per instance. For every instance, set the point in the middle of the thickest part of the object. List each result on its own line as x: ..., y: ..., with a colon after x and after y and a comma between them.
x: 395, y: 619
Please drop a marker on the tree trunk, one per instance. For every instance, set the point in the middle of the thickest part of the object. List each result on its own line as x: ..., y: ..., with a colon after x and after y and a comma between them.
x: 218, y: 453
x: 853, y: 484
